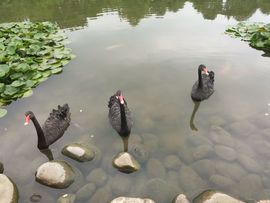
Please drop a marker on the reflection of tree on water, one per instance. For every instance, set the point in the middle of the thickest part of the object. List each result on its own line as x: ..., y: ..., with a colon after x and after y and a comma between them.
x: 191, y: 122
x: 74, y: 13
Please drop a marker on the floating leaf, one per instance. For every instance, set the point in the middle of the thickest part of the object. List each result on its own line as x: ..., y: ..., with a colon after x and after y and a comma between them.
x: 3, y: 112
x: 29, y: 54
x: 28, y: 93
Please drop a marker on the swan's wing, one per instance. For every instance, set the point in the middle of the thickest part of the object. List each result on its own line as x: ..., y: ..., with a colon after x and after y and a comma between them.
x: 128, y: 117
x: 57, y: 123
x: 115, y: 116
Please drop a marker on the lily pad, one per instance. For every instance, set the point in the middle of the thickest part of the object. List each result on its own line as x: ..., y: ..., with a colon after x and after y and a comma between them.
x: 29, y: 54
x: 3, y: 112
x: 257, y: 34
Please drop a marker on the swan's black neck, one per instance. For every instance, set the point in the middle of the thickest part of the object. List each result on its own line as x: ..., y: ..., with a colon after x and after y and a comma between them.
x: 124, y: 126
x: 41, y: 138
x: 200, y: 78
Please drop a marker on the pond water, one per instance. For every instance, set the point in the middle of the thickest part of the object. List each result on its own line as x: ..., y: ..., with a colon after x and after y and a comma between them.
x: 150, y: 50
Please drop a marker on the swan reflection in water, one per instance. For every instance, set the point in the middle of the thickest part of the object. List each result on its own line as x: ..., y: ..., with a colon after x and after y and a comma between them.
x: 47, y: 153
x: 191, y: 122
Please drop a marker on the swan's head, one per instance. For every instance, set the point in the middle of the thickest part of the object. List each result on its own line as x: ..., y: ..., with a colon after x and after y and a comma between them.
x: 28, y: 116
x: 120, y: 97
x: 203, y: 69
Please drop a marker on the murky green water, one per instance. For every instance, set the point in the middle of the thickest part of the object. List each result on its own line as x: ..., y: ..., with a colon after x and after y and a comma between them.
x: 150, y: 50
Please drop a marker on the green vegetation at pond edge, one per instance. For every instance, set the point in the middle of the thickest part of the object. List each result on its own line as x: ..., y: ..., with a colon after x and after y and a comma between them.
x: 257, y: 34
x: 29, y: 54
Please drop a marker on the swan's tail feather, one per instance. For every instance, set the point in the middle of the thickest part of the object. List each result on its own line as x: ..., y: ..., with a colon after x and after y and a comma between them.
x: 62, y: 112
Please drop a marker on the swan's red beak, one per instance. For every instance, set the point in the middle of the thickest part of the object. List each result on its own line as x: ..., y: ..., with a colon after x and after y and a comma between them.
x: 205, y: 70
x: 27, y: 120
x: 121, y: 99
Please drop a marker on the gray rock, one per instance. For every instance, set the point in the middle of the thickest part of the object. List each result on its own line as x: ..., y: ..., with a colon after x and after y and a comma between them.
x: 78, y: 152
x: 67, y: 198
x: 235, y: 172
x: 97, y: 176
x: 202, y: 151
x: 140, y: 152
x: 125, y: 162
x: 250, y: 185
x: 221, y: 136
x: 264, y: 194
x: 131, y: 200
x: 226, y: 153
x: 8, y: 190
x: 262, y: 147
x: 1, y: 167
x: 172, y: 162
x: 242, y: 128
x: 185, y: 153
x: 85, y: 193
x: 151, y: 142
x: 158, y: 190
x: 249, y: 164
x: 181, y: 199
x: 190, y: 181
x: 198, y: 140
x: 155, y: 169
x: 102, y: 195
x: 56, y: 174
x: 217, y: 121
x: 121, y: 184
x: 210, y: 196
x: 221, y: 181
x: 205, y: 168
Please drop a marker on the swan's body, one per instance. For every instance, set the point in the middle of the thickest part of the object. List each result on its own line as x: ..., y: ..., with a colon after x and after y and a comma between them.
x: 53, y: 128
x: 204, y: 86
x: 120, y: 115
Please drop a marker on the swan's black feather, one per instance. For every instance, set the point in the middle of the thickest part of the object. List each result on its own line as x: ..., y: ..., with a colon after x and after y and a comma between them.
x: 207, y: 88
x: 115, y: 115
x: 57, y: 123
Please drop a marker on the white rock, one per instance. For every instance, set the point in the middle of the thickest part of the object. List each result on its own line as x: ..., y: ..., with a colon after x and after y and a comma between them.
x: 8, y: 191
x: 131, y: 200
x: 181, y: 199
x: 126, y: 163
x: 210, y: 196
x: 57, y: 174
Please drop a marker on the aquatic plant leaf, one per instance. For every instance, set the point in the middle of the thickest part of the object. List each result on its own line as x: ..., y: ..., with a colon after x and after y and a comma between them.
x: 29, y: 54
x: 28, y: 93
x: 3, y: 112
x: 257, y: 34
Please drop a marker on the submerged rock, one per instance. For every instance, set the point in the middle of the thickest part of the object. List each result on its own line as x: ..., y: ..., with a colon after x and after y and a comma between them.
x: 249, y: 163
x: 155, y: 169
x: 67, y: 198
x: 140, y: 152
x: 190, y: 181
x: 78, y: 152
x: 210, y: 196
x: 126, y: 163
x: 97, y: 176
x: 8, y: 190
x: 226, y: 153
x: 56, y: 174
x: 221, y: 136
x: 131, y: 200
x: 85, y: 193
x: 121, y: 184
x: 172, y: 162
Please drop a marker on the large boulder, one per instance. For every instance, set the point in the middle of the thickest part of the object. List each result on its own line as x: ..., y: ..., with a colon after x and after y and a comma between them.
x: 56, y: 174
x: 78, y: 152
x: 125, y: 162
x: 131, y: 200
x: 8, y: 190
x: 210, y: 196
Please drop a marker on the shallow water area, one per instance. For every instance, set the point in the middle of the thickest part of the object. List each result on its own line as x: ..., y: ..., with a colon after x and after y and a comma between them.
x: 150, y: 50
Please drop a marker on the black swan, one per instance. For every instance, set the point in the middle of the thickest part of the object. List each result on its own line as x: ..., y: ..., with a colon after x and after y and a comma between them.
x: 53, y: 128
x: 120, y: 116
x: 204, y: 87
